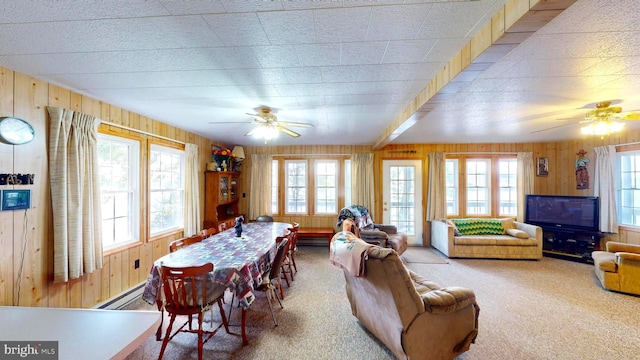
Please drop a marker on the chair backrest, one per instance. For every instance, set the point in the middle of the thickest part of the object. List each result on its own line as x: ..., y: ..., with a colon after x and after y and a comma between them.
x: 187, y: 289
x: 294, y: 235
x: 276, y: 266
x: 180, y: 243
x: 222, y: 226
x: 208, y: 232
x: 264, y: 218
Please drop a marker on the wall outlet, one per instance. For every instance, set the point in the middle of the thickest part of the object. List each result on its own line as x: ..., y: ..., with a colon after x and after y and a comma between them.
x: 136, y: 263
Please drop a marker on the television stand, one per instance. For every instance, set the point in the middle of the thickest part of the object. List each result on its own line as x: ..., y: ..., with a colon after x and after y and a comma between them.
x: 570, y: 244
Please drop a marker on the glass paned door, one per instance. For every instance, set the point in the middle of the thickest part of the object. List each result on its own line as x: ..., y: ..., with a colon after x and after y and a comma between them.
x: 402, y: 197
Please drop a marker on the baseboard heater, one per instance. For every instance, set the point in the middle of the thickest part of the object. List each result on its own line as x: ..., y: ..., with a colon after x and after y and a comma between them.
x: 120, y: 301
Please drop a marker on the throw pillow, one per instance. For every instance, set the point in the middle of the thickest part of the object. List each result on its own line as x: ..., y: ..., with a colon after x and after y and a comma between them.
x: 473, y: 226
x: 456, y: 232
x: 518, y: 233
x: 507, y: 223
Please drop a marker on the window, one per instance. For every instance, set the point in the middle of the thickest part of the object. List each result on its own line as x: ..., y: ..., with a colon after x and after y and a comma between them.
x: 478, y: 187
x: 507, y: 174
x: 452, y: 186
x: 119, y: 161
x: 347, y: 182
x: 166, y: 189
x: 628, y: 189
x: 469, y: 191
x: 274, y: 186
x: 296, y: 186
x: 326, y: 186
x: 402, y: 194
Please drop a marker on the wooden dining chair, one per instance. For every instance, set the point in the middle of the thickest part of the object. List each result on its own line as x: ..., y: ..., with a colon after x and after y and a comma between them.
x: 180, y: 243
x: 208, y: 232
x: 222, y: 226
x: 287, y: 263
x: 268, y: 286
x: 293, y: 247
x: 191, y: 291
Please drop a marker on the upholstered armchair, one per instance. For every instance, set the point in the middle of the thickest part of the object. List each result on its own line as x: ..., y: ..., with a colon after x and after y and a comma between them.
x: 385, y: 235
x: 618, y: 268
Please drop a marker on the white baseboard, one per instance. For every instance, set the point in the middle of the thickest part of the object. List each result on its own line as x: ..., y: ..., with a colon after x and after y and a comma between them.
x: 123, y: 299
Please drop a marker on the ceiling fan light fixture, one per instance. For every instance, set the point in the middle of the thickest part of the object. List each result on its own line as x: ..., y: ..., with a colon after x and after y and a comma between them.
x: 602, y: 128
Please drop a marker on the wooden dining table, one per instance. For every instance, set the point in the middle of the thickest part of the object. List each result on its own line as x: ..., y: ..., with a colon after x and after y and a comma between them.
x: 239, y: 263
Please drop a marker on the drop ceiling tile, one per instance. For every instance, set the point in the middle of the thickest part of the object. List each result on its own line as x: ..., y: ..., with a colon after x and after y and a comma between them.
x: 51, y: 11
x: 438, y: 23
x: 444, y: 50
x: 192, y: 7
x: 357, y: 53
x: 335, y: 74
x: 342, y: 25
x: 318, y: 54
x: 407, y: 51
x: 291, y: 27
x: 386, y: 20
x: 251, y: 6
x: 233, y: 29
x: 303, y: 75
x: 276, y: 56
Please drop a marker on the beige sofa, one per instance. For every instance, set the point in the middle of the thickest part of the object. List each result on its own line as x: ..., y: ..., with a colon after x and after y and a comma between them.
x: 498, y: 246
x: 415, y: 318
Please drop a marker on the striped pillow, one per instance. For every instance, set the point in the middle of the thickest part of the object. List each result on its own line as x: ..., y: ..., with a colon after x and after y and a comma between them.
x: 472, y: 226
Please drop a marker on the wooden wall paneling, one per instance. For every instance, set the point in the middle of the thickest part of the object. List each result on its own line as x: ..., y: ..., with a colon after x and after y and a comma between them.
x: 6, y: 217
x: 115, y: 274
x: 125, y: 270
x: 105, y: 276
x: 31, y: 225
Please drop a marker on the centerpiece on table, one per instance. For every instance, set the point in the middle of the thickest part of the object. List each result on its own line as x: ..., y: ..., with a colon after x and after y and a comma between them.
x: 223, y: 158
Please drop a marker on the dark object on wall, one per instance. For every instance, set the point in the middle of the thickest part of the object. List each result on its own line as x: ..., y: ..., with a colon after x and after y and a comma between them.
x: 582, y: 173
x: 563, y: 212
x: 16, y: 199
x: 543, y: 166
x: 16, y: 179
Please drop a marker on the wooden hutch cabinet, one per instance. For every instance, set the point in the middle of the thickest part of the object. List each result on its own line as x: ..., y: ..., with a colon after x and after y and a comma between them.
x: 221, y: 195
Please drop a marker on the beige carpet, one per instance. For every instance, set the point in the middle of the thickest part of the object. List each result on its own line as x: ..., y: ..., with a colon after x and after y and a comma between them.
x: 547, y: 309
x: 421, y: 255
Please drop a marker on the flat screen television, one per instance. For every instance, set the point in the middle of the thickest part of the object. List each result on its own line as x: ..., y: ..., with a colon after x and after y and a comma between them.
x: 563, y: 212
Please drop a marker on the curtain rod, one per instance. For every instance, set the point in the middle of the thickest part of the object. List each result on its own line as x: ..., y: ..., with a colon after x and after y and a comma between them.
x: 141, y: 132
x: 310, y: 154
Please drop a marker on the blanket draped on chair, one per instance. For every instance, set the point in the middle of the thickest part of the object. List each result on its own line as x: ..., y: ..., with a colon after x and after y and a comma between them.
x: 349, y: 252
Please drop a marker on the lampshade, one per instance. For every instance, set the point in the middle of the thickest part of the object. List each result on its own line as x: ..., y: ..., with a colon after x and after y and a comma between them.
x: 238, y: 151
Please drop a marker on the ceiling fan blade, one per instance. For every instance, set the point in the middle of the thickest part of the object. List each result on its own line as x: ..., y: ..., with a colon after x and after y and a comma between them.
x: 288, y: 132
x: 629, y: 116
x: 298, y: 124
x: 230, y: 122
x: 551, y: 128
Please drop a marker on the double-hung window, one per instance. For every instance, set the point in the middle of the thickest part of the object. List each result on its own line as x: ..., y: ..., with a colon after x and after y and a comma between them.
x: 507, y: 174
x: 478, y: 186
x: 451, y: 175
x: 628, y: 188
x: 166, y: 189
x: 274, y: 186
x: 119, y: 162
x: 296, y: 198
x: 326, y: 186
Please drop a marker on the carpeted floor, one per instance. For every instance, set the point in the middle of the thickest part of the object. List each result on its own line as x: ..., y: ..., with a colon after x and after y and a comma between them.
x: 548, y: 309
x: 422, y: 255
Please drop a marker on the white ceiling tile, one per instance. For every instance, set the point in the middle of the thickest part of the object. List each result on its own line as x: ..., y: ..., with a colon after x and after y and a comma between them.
x: 303, y: 75
x: 318, y: 54
x: 233, y: 29
x: 14, y: 12
x: 397, y: 22
x: 357, y: 53
x: 193, y: 7
x: 290, y: 27
x: 277, y: 56
x: 407, y: 51
x: 342, y: 25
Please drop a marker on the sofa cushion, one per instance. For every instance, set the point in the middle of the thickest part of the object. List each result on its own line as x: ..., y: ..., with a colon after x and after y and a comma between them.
x: 508, y: 223
x: 518, y: 233
x: 500, y: 240
x: 475, y: 226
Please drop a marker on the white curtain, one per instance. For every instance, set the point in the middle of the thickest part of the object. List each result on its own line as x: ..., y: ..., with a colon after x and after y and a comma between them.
x: 604, y: 188
x: 526, y: 175
x: 75, y: 194
x: 192, y: 190
x: 437, y: 191
x: 260, y: 200
x: 362, y: 187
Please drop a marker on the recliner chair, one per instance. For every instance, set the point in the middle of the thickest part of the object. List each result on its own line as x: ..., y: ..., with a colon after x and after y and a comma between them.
x: 618, y: 268
x: 385, y: 235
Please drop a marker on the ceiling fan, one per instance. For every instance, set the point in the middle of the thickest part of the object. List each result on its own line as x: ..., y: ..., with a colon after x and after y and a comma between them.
x: 602, y: 119
x: 269, y: 125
